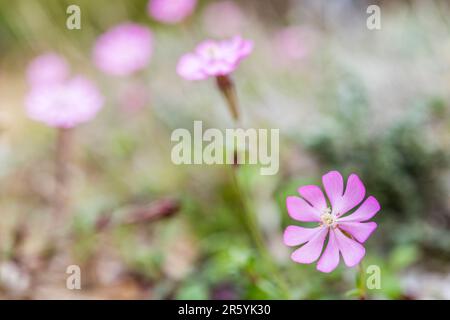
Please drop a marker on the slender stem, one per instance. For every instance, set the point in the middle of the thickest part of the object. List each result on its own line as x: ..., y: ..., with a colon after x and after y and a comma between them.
x: 60, y: 201
x: 226, y: 87
x: 256, y: 234
x: 63, y: 155
x: 361, y: 282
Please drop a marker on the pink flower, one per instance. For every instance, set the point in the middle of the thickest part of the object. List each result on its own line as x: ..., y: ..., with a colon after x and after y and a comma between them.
x: 223, y: 18
x: 124, y: 49
x: 293, y: 43
x: 65, y: 104
x: 214, y: 58
x: 46, y: 69
x: 346, y: 232
x: 171, y: 11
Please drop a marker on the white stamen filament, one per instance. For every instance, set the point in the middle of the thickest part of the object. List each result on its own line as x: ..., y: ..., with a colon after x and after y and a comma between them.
x: 327, y: 218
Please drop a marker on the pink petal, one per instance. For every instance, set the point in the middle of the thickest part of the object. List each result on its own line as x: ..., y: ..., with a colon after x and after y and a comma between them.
x: 360, y: 231
x: 311, y: 251
x: 218, y: 68
x: 330, y: 258
x: 314, y: 195
x: 171, y: 11
x: 351, y: 251
x: 334, y: 187
x: 245, y: 48
x: 123, y: 49
x: 366, y: 211
x: 190, y: 67
x: 295, y: 235
x: 300, y: 210
x: 47, y: 69
x: 205, y: 48
x: 354, y: 194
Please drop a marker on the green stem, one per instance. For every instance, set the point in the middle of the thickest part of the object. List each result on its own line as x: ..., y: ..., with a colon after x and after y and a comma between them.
x: 256, y: 234
x: 361, y: 282
x: 226, y: 87
x: 61, y: 193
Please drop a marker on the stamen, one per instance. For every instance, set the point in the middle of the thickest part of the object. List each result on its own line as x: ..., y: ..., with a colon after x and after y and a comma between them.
x: 327, y: 218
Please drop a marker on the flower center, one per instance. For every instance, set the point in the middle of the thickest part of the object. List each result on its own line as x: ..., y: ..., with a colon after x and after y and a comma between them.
x: 212, y: 52
x: 327, y: 218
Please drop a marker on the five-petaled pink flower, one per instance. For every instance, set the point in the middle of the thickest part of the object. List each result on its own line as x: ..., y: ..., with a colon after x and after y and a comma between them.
x: 171, y: 11
x: 214, y: 58
x: 346, y: 232
x: 124, y: 49
x: 46, y: 69
x: 65, y: 104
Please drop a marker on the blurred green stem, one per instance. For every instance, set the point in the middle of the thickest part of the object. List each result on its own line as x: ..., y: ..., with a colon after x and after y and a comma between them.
x: 63, y: 155
x: 256, y: 234
x: 361, y: 282
x: 226, y: 87
x: 60, y: 200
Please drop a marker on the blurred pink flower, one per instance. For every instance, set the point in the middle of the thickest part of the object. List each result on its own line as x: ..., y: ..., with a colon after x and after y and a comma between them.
x: 223, y: 18
x: 293, y: 43
x: 46, y: 69
x: 123, y: 49
x: 346, y: 232
x: 65, y: 104
x: 214, y: 58
x: 171, y: 11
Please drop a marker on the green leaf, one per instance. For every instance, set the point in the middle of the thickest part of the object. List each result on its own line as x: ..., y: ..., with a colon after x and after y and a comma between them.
x: 193, y: 291
x: 354, y: 293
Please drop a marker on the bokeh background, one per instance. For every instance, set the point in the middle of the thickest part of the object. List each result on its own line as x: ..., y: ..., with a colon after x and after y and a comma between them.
x: 371, y: 102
